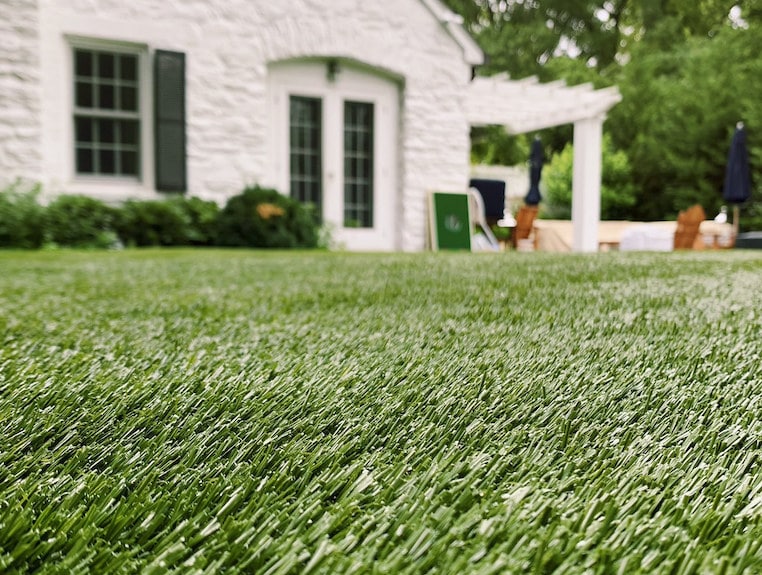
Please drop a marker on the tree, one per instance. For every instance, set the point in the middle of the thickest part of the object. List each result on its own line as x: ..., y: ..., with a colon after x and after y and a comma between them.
x: 677, y: 115
x: 522, y: 36
x: 687, y: 72
x: 617, y: 192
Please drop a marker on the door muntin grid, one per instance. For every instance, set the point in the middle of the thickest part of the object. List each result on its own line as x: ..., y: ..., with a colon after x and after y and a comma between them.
x: 358, y: 164
x: 305, y: 150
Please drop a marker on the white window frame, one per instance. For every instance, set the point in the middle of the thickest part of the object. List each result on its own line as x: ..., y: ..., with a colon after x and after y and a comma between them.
x: 101, y: 113
x: 145, y: 177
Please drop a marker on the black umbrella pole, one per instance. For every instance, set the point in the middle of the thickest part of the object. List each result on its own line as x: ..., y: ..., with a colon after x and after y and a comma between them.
x: 736, y: 215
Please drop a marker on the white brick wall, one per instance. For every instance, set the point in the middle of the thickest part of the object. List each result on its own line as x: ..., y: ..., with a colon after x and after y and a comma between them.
x: 228, y: 45
x: 20, y: 128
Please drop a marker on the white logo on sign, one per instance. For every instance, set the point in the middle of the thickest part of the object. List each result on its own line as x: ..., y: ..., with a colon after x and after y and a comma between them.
x: 452, y: 223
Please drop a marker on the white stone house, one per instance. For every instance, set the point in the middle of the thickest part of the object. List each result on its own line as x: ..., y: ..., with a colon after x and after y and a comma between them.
x: 361, y: 108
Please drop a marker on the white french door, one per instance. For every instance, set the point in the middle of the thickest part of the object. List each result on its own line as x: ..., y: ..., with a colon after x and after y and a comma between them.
x: 334, y: 140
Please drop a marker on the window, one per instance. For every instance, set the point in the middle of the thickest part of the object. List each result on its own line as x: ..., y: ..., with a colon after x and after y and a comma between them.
x: 358, y: 165
x: 305, y: 143
x: 106, y: 113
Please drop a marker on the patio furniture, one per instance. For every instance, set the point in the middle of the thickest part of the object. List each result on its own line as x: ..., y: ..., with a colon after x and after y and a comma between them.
x: 480, y: 225
x: 493, y: 196
x: 524, y: 224
x: 687, y: 232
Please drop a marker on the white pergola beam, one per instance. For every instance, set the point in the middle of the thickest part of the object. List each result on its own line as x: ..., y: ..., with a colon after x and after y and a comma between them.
x: 525, y: 106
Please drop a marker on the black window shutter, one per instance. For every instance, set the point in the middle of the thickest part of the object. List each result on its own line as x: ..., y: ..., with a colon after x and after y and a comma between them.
x: 169, y: 121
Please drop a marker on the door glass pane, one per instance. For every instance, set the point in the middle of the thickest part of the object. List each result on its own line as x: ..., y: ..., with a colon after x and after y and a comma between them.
x: 358, y: 164
x: 306, y: 150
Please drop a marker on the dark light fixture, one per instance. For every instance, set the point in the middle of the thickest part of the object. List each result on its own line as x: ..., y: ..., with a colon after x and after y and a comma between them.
x: 332, y: 69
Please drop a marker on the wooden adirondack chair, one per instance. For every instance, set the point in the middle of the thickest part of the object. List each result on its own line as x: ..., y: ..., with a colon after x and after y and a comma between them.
x: 524, y: 224
x: 688, y: 223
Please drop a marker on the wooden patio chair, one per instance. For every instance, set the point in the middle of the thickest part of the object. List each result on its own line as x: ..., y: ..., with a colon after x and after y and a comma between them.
x: 688, y: 223
x: 524, y: 224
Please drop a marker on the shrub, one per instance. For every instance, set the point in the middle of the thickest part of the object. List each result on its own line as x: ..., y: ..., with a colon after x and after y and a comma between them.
x: 202, y: 216
x: 22, y: 222
x: 80, y: 221
x: 176, y: 221
x: 153, y: 223
x: 617, y: 191
x: 261, y: 217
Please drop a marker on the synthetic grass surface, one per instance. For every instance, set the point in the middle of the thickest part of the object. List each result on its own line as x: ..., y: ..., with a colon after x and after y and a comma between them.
x: 239, y: 411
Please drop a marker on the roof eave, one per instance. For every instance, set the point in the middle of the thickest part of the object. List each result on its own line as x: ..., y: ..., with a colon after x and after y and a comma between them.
x: 453, y: 24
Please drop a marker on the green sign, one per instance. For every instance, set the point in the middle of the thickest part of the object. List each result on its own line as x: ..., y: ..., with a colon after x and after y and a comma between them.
x: 450, y: 221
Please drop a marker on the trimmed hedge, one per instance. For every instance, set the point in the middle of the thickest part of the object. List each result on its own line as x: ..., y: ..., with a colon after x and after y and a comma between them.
x: 258, y: 217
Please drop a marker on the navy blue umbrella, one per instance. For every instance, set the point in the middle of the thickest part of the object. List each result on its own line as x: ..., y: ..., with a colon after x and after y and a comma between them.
x: 737, y: 188
x: 536, y: 159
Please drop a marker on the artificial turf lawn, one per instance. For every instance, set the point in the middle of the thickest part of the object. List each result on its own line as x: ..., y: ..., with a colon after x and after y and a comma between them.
x: 293, y: 412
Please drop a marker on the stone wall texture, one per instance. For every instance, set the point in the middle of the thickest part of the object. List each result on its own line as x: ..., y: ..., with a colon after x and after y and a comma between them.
x: 229, y: 45
x: 20, y: 123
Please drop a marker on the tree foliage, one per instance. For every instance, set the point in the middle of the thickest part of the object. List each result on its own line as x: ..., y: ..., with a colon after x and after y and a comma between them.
x: 688, y: 70
x: 617, y: 192
x: 678, y: 113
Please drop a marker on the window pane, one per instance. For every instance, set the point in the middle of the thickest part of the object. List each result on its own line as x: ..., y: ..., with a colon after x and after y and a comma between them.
x: 129, y: 99
x: 106, y: 131
x: 85, y: 161
x: 128, y: 67
x: 84, y: 129
x: 83, y: 63
x: 84, y: 95
x: 106, y: 65
x: 130, y: 132
x: 129, y: 163
x: 106, y: 97
x: 107, y: 161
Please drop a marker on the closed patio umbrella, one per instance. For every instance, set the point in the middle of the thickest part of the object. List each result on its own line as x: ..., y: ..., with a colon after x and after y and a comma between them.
x: 536, y: 160
x: 737, y: 188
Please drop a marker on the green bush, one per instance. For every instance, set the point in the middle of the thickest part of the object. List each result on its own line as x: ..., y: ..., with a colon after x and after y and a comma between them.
x: 22, y: 222
x: 176, y: 221
x: 202, y: 216
x: 153, y: 223
x: 258, y: 218
x: 617, y: 191
x: 80, y: 221
x: 264, y: 218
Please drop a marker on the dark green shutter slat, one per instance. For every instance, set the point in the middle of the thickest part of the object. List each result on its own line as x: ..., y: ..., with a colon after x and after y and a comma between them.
x: 169, y: 118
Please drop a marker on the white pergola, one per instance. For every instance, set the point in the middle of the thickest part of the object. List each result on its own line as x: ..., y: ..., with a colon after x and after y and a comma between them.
x: 526, y: 105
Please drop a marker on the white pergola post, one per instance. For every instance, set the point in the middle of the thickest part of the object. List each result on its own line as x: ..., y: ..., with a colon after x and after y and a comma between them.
x: 586, y: 184
x: 525, y: 105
